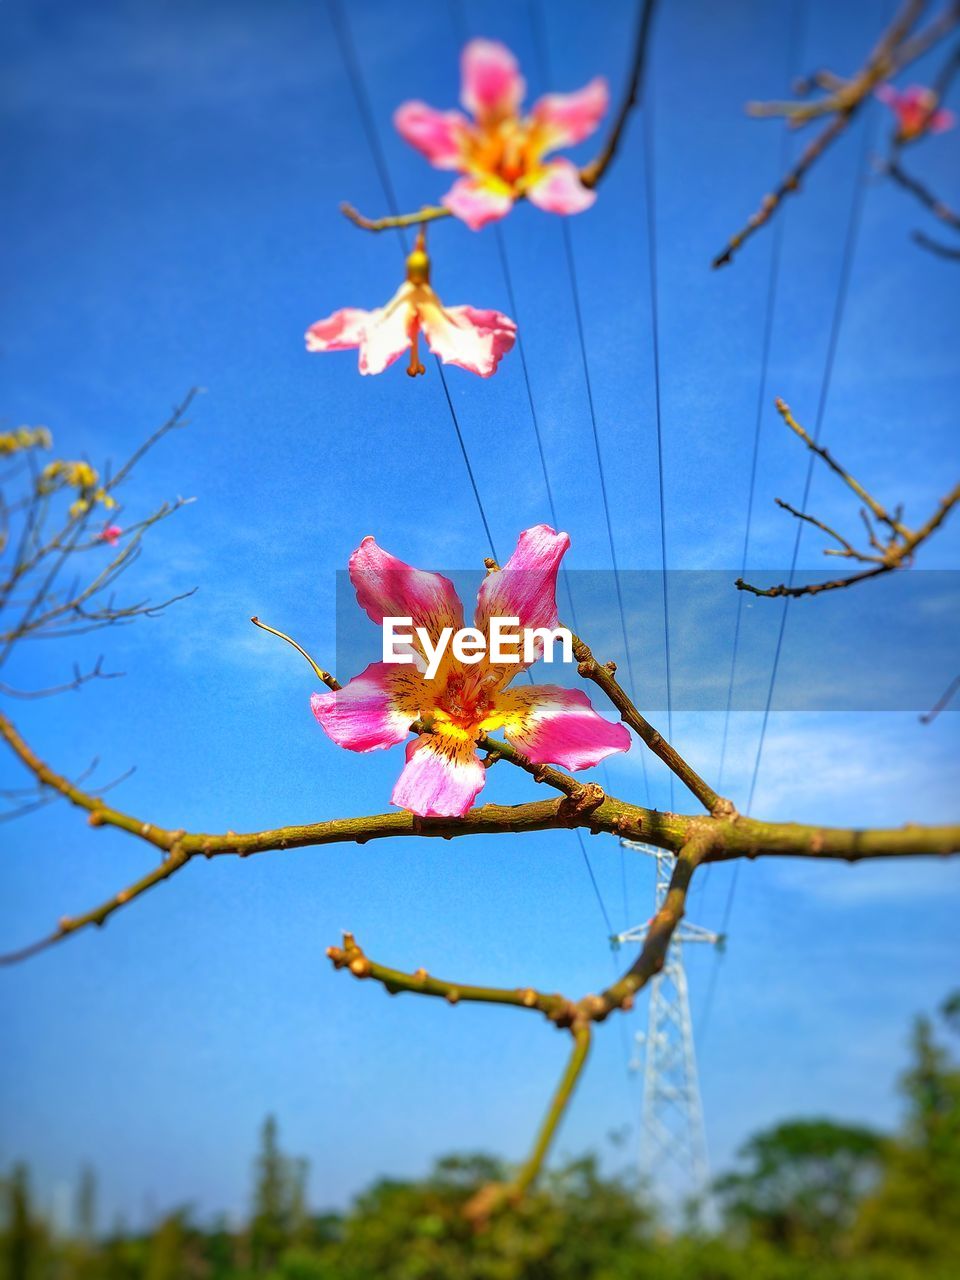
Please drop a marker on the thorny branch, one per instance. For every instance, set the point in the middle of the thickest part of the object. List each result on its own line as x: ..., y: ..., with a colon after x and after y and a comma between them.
x: 590, y: 175
x: 895, y: 552
x: 843, y: 99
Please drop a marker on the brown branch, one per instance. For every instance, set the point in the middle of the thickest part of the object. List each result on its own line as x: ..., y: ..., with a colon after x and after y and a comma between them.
x: 603, y: 675
x: 934, y: 246
x: 494, y: 1196
x: 790, y: 184
x: 941, y: 702
x: 577, y: 1017
x: 846, y: 548
x: 894, y: 51
x: 732, y: 835
x: 591, y: 174
x: 895, y: 170
x: 350, y: 956
x: 80, y: 678
x: 897, y: 553
x: 695, y: 850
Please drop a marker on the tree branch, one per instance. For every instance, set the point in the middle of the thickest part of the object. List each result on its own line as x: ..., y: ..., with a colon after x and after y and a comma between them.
x: 894, y: 554
x: 603, y: 675
x: 732, y: 835
x: 894, y: 51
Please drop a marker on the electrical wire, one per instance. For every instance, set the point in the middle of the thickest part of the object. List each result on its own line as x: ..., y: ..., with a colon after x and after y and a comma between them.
x: 650, y: 201
x: 854, y: 222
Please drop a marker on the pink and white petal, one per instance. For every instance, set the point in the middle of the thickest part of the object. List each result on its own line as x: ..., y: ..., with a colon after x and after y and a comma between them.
x: 442, y: 777
x: 339, y: 332
x: 941, y: 120
x: 476, y: 203
x: 438, y: 135
x: 388, y: 588
x: 559, y: 726
x: 567, y: 118
x: 526, y: 586
x: 492, y: 86
x: 559, y: 189
x: 467, y: 337
x: 374, y: 710
x: 388, y: 332
x: 887, y: 94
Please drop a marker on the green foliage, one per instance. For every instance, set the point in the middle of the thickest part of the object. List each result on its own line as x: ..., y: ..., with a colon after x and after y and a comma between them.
x: 804, y: 1183
x: 812, y: 1200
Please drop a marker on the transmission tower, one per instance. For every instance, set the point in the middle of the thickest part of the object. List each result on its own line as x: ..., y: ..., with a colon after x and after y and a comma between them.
x: 672, y: 1132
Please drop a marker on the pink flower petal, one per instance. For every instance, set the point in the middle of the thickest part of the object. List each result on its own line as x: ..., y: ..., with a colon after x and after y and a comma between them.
x: 941, y: 120
x: 560, y: 190
x: 476, y: 204
x: 467, y: 337
x: 559, y: 726
x: 492, y: 86
x: 375, y: 709
x: 382, y: 335
x: 339, y: 332
x: 388, y: 588
x: 438, y: 135
x: 526, y: 586
x: 911, y: 106
x: 387, y: 332
x: 567, y: 118
x: 442, y: 777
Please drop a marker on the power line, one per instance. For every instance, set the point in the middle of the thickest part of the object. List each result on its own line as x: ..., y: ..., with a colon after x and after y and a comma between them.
x: 854, y: 223
x: 769, y: 311
x: 544, y: 59
x: 795, y: 44
x: 843, y: 288
x: 650, y: 201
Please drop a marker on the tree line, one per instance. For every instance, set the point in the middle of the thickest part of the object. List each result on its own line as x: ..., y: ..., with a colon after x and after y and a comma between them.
x: 809, y: 1198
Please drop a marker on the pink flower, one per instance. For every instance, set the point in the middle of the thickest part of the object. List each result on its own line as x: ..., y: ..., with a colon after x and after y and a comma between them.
x: 465, y: 336
x: 443, y: 774
x: 499, y: 152
x: 110, y: 533
x: 916, y: 111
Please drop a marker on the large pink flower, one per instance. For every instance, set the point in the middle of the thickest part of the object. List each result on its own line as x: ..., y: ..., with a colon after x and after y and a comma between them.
x: 916, y: 111
x: 443, y: 773
x: 466, y: 336
x: 499, y: 152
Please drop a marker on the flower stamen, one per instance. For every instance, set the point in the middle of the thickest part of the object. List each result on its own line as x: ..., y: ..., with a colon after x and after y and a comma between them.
x: 415, y: 367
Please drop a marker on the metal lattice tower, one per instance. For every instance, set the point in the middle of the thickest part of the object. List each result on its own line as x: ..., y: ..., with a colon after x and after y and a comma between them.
x: 672, y: 1132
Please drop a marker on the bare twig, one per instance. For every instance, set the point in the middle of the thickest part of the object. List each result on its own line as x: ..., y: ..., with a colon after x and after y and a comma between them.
x: 896, y: 553
x: 943, y: 701
x: 895, y: 170
x: 603, y: 675
x: 844, y: 100
x: 935, y: 246
x: 80, y: 678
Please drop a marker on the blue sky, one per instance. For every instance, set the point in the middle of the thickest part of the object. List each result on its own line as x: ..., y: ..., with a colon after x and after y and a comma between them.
x: 173, y: 176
